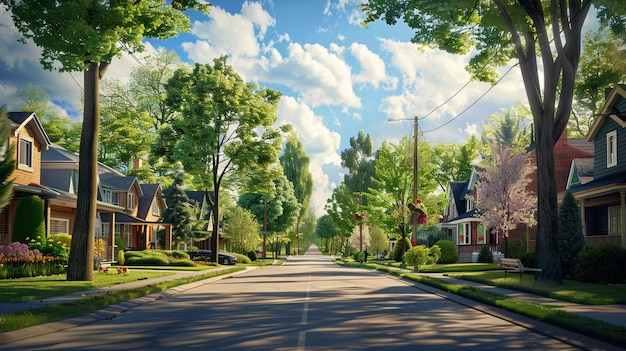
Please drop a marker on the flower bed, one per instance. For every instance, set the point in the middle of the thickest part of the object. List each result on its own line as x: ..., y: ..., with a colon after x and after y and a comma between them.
x: 18, y: 261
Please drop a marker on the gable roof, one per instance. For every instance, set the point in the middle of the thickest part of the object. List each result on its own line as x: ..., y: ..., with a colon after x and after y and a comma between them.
x: 19, y: 120
x: 609, y: 111
x: 150, y: 192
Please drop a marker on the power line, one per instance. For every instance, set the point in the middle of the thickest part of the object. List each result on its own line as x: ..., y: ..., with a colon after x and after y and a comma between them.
x: 473, y: 103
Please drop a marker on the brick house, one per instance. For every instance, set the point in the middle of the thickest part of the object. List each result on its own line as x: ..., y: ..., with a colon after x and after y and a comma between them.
x: 468, y: 232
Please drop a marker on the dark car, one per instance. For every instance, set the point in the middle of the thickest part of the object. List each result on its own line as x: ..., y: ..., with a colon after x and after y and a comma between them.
x: 222, y: 258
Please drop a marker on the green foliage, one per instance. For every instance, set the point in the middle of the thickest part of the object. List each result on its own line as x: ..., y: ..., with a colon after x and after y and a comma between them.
x: 178, y: 212
x: 516, y: 248
x: 252, y: 255
x: 29, y: 221
x: 604, y: 264
x: 485, y: 255
x: 295, y: 164
x: 50, y: 247
x: 241, y: 229
x: 397, y: 250
x: 241, y: 258
x: 158, y: 258
x: 421, y: 255
x: 6, y: 160
x: 121, y: 259
x: 358, y: 256
x: 449, y: 252
x: 571, y: 237
x: 119, y: 242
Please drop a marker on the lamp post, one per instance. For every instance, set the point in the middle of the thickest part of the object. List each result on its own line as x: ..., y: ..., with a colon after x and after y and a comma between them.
x: 415, y: 168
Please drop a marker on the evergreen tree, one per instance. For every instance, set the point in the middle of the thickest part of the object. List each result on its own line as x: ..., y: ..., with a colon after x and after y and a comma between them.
x: 7, y: 159
x: 571, y: 238
x: 178, y: 211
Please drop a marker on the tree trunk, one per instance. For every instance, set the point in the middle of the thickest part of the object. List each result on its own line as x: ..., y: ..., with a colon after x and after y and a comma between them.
x: 215, y: 236
x: 80, y: 265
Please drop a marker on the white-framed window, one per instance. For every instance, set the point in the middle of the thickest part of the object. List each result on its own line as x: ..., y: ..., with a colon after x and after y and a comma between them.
x: 25, y: 153
x: 111, y: 197
x: 481, y: 236
x: 611, y: 149
x: 464, y: 230
x: 469, y: 203
x: 156, y: 210
x: 615, y: 220
x: 59, y: 226
x: 130, y: 201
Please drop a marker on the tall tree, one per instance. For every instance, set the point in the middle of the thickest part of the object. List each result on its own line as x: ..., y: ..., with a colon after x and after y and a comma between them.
x: 502, y: 200
x: 341, y: 208
x: 295, y: 164
x: 86, y: 36
x: 358, y: 160
x: 453, y: 161
x: 326, y: 231
x: 241, y: 229
x: 509, y: 129
x: 545, y: 38
x: 7, y: 160
x: 224, y: 128
x: 602, y: 66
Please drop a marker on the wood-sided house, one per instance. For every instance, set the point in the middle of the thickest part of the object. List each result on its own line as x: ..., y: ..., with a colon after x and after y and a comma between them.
x: 126, y: 209
x: 603, y: 199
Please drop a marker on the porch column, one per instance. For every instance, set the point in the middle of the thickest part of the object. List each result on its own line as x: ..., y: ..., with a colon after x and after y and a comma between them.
x: 622, y: 195
x: 111, y: 246
x: 168, y: 237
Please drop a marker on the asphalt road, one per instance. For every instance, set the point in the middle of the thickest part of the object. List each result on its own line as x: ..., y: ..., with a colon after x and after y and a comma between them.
x: 306, y: 304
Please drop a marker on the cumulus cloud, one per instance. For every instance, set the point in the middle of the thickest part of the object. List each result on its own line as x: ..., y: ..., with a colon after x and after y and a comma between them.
x: 372, y: 67
x: 321, y: 143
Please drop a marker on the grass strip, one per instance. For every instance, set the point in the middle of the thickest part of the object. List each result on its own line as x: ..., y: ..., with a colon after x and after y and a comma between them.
x: 610, y: 333
x: 90, y: 303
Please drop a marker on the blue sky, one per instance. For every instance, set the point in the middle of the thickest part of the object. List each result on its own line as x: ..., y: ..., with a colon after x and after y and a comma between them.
x: 336, y: 76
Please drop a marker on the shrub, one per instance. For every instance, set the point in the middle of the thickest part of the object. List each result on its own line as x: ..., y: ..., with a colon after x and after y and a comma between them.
x: 449, y: 253
x: 421, y: 255
x: 48, y: 247
x: 241, y: 258
x: 29, y: 221
x: 528, y: 259
x: 18, y: 261
x: 147, y: 260
x: 252, y: 255
x: 358, y: 256
x: 397, y: 250
x: 119, y: 242
x: 121, y: 259
x: 485, y: 255
x: 571, y: 238
x: 603, y: 265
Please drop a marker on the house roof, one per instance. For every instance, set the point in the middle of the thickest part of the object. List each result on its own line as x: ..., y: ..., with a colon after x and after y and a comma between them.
x: 606, y: 184
x: 123, y: 218
x: 20, y: 120
x: 459, y: 191
x: 150, y: 192
x: 58, y: 179
x: 608, y: 111
x: 468, y: 216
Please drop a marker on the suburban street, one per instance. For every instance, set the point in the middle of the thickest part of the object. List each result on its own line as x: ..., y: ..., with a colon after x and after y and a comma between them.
x: 308, y: 303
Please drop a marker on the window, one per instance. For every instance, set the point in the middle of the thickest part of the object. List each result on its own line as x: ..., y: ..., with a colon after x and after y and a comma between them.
x: 59, y: 226
x: 611, y: 149
x: 25, y: 153
x: 111, y: 197
x: 615, y: 220
x: 464, y: 230
x: 155, y: 208
x: 481, y: 239
x: 130, y: 201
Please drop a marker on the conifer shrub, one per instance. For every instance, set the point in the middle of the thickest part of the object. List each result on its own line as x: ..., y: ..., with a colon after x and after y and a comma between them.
x: 485, y: 255
x: 121, y: 259
x: 449, y: 253
x: 29, y: 222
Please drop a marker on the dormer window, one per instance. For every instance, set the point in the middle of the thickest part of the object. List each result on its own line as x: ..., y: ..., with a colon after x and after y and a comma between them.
x: 111, y: 197
x: 130, y: 201
x: 611, y: 149
x: 25, y: 153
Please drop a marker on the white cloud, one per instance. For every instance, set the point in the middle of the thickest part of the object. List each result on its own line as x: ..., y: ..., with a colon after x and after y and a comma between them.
x: 372, y: 67
x: 321, y: 143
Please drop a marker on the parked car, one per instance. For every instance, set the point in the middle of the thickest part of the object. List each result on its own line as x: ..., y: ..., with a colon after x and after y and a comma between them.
x: 222, y: 258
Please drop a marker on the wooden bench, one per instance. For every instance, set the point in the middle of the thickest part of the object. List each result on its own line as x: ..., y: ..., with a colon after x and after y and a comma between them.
x: 515, y: 265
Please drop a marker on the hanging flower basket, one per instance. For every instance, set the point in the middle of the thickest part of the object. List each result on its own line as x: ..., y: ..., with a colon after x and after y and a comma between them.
x: 360, y: 217
x: 418, y: 212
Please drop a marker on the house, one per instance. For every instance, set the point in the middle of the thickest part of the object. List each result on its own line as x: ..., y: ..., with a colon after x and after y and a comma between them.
x: 466, y: 230
x: 51, y: 172
x: 603, y: 199
x: 29, y: 139
x: 201, y: 200
x: 124, y: 209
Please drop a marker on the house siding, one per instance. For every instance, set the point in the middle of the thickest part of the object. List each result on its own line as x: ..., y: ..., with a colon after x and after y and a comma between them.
x: 25, y: 177
x: 600, y: 168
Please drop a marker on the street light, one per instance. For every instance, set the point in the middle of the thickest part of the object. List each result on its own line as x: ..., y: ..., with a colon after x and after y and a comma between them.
x: 415, y: 130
